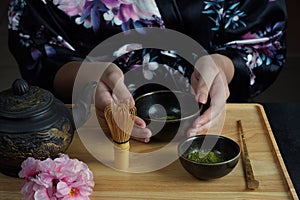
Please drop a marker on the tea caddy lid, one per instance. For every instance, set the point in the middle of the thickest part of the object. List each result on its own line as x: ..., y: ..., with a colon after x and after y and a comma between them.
x: 24, y: 101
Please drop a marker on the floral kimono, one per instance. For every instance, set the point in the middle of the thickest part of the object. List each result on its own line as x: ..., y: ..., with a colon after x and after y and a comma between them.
x: 46, y: 34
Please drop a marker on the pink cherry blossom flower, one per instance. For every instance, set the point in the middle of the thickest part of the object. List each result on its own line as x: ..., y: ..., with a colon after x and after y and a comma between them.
x: 30, y: 168
x: 61, y: 178
x: 78, y: 190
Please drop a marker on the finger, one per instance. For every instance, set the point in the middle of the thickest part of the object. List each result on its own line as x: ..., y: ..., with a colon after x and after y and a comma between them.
x: 102, y: 97
x: 200, y: 89
x: 212, y: 112
x: 219, y: 93
x: 140, y: 122
x: 205, y: 127
x: 203, y: 77
x: 141, y: 134
x: 203, y: 119
x: 193, y: 132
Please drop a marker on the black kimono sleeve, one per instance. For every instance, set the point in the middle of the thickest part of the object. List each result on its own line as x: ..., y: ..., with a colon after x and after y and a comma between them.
x: 253, y: 35
x: 38, y: 42
x: 250, y: 32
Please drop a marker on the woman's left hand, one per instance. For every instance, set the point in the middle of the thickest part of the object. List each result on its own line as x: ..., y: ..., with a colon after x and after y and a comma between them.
x: 210, y: 80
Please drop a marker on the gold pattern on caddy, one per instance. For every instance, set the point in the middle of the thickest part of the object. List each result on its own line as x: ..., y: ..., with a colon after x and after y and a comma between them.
x: 34, y: 124
x: 32, y: 101
x: 16, y: 148
x: 39, y: 145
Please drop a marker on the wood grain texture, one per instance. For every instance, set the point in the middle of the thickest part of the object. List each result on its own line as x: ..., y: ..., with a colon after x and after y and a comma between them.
x: 251, y: 182
x: 173, y: 182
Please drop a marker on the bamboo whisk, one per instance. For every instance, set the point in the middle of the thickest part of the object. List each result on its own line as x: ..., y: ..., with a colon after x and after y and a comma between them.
x: 120, y: 116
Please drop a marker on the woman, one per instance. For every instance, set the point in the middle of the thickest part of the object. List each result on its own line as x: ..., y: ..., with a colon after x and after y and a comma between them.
x: 244, y: 38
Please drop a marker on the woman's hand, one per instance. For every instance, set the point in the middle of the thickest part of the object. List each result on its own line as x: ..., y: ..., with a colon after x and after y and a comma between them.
x: 210, y: 79
x: 112, y: 82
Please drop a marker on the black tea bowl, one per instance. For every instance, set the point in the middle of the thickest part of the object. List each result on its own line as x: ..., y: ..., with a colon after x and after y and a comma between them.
x: 167, y: 113
x: 227, y: 151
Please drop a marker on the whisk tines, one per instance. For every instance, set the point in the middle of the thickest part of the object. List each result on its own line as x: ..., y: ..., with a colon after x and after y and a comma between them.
x: 120, y: 119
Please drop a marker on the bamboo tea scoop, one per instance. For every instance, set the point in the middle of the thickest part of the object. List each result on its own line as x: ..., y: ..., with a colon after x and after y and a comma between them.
x: 249, y: 175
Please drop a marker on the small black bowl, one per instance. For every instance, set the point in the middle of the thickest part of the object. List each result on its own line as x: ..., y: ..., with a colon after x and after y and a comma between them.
x: 167, y: 112
x: 225, y: 147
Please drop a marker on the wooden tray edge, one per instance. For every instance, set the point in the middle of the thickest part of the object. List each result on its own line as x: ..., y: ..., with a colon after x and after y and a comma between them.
x: 276, y: 152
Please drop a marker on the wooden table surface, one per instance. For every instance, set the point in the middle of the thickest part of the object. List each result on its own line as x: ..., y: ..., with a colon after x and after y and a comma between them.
x: 173, y: 182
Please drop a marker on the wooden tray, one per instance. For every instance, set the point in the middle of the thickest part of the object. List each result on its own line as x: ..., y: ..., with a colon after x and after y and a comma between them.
x: 173, y: 182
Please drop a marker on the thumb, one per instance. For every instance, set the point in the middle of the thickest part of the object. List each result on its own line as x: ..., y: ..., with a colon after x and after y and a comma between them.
x: 203, y: 77
x: 201, y: 89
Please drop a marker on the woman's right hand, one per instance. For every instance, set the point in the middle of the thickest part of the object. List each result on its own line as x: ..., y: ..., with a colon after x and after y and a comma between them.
x: 112, y: 83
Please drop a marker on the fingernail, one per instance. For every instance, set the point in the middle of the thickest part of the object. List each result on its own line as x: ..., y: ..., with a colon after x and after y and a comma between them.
x: 202, y: 98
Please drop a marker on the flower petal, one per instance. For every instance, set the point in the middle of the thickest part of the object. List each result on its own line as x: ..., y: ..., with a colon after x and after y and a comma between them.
x: 153, y: 66
x: 29, y: 168
x: 148, y: 74
x: 146, y: 58
x: 41, y: 194
x: 62, y: 188
x: 108, y: 16
x: 117, y: 21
